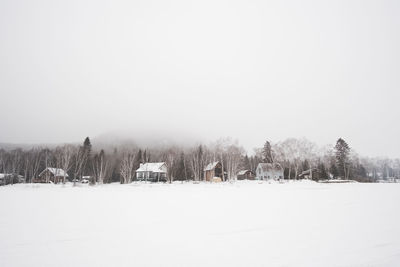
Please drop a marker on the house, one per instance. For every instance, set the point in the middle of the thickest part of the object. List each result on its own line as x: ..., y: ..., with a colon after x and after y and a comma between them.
x: 54, y: 175
x: 267, y: 171
x: 11, y: 178
x: 5, y: 178
x: 152, y: 171
x: 246, y: 175
x: 213, y: 170
x: 312, y: 173
x: 86, y: 179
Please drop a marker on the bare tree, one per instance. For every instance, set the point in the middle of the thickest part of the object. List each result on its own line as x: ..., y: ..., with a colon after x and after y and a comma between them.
x: 32, y: 163
x: 220, y: 153
x: 229, y: 153
x: 197, y: 162
x: 170, y: 158
x: 3, y: 159
x: 100, y: 166
x: 292, y: 152
x: 16, y: 162
x: 234, y: 154
x: 64, y: 156
x: 48, y: 159
x: 79, y: 160
x: 127, y: 167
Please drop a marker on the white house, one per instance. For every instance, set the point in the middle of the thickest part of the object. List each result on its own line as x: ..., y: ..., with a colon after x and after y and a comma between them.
x: 154, y: 172
x: 10, y: 178
x: 267, y: 171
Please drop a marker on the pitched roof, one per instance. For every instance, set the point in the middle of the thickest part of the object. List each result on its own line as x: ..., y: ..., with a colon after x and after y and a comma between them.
x: 270, y: 167
x: 56, y: 172
x: 243, y: 172
x: 307, y: 172
x: 9, y: 174
x: 151, y: 167
x: 211, y: 166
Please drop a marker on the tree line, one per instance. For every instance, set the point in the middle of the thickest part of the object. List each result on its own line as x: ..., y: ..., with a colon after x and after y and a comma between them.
x: 187, y: 163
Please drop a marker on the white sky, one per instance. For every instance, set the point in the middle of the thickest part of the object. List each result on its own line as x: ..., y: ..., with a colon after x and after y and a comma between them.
x: 253, y: 70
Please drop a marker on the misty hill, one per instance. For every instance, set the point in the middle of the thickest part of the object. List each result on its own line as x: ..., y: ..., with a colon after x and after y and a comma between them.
x: 142, y: 139
x: 128, y: 139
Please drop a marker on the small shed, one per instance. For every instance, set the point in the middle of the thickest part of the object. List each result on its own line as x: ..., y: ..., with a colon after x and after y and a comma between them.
x: 212, y: 170
x: 54, y: 175
x: 11, y: 178
x: 313, y: 174
x: 268, y: 171
x: 246, y: 175
x: 152, y: 171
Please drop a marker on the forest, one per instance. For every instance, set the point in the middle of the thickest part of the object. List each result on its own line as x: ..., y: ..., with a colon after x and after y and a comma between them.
x: 118, y: 164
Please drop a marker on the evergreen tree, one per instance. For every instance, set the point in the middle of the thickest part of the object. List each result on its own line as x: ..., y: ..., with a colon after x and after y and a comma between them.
x: 87, y: 145
x: 115, y: 175
x: 323, y: 174
x: 305, y: 165
x: 360, y: 173
x: 267, y: 153
x: 286, y: 173
x: 180, y: 168
x: 138, y: 161
x: 146, y: 156
x: 333, y: 170
x: 385, y: 171
x: 200, y: 162
x: 87, y: 152
x: 246, y: 163
x: 139, y: 157
x: 342, y: 152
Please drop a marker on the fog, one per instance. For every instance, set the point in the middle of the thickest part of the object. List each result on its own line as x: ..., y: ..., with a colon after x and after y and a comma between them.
x: 199, y: 70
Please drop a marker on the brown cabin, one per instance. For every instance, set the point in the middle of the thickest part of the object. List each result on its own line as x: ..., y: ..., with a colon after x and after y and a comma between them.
x: 212, y: 170
x: 313, y: 174
x: 246, y: 175
x: 54, y: 175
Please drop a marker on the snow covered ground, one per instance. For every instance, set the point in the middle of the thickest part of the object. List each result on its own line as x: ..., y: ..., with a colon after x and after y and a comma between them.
x: 241, y: 224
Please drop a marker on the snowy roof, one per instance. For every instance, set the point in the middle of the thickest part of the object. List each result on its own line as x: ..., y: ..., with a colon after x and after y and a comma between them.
x: 307, y: 172
x: 211, y: 166
x: 270, y: 167
x: 151, y: 167
x: 2, y: 175
x: 243, y: 172
x: 56, y: 172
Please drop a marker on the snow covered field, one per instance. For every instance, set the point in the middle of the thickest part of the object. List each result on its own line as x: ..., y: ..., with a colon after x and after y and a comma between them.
x: 241, y: 224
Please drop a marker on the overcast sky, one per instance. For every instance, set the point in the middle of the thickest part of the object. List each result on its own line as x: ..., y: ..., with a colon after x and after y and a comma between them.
x: 253, y: 70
